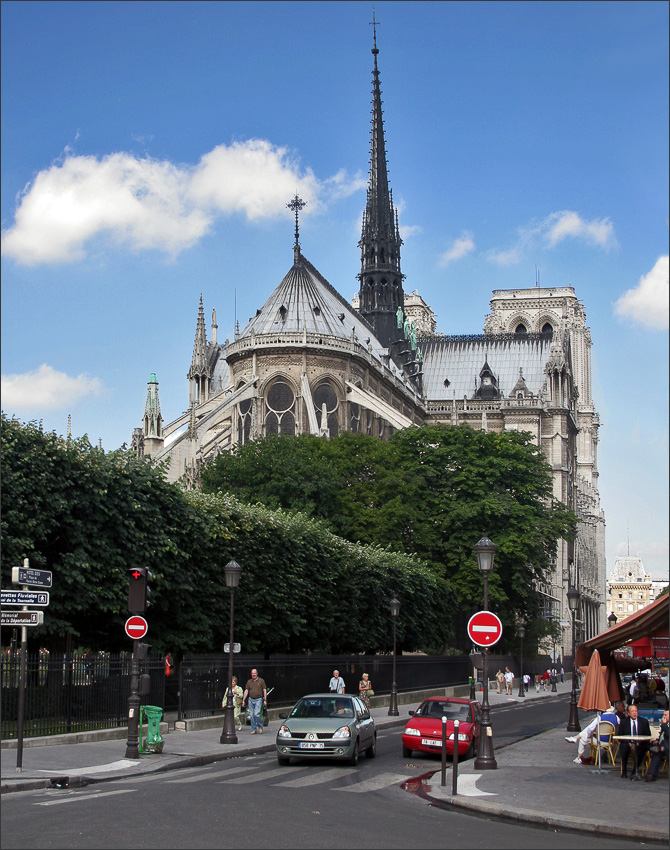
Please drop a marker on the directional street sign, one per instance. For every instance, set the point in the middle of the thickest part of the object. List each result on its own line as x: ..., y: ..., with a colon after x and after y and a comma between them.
x: 484, y: 628
x: 236, y: 647
x: 25, y: 597
x: 22, y: 618
x: 136, y: 627
x: 35, y: 578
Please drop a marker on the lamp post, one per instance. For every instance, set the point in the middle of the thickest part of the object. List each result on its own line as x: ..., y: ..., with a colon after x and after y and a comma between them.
x: 393, y: 705
x: 522, y: 690
x: 611, y: 620
x: 485, y: 551
x: 554, y: 689
x: 573, y: 721
x: 228, y: 736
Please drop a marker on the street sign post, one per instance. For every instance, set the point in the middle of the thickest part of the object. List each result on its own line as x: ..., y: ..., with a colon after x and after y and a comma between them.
x: 485, y: 628
x: 34, y: 578
x: 236, y: 647
x: 22, y: 618
x: 136, y: 627
x: 25, y: 597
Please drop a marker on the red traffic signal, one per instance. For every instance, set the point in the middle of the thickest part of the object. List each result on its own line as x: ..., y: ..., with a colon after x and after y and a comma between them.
x: 138, y: 589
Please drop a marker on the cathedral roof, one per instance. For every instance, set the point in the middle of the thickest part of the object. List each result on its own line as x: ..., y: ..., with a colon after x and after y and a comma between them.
x: 305, y: 301
x: 452, y: 363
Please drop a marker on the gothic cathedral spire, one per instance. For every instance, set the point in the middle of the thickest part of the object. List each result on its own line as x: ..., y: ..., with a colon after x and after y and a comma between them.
x: 199, y: 374
x: 381, y: 292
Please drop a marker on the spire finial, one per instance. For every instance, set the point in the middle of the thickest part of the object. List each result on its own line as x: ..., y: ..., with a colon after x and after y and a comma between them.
x: 374, y: 23
x: 296, y: 204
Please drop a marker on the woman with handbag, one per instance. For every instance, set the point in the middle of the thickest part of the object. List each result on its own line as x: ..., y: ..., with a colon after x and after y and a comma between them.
x: 365, y: 690
x: 237, y: 703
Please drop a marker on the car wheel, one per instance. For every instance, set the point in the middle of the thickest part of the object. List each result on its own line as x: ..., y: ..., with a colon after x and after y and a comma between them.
x: 407, y: 753
x: 283, y: 761
x: 371, y: 751
x: 354, y: 756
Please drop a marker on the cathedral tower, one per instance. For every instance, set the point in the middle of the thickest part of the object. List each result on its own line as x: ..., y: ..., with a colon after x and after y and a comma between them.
x: 381, y: 293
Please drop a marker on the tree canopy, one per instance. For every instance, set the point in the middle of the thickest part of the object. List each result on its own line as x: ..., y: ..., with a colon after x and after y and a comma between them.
x: 430, y: 491
x: 89, y: 517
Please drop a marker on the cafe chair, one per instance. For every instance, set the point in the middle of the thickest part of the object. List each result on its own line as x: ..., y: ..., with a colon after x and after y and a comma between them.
x: 646, y: 761
x: 606, y: 743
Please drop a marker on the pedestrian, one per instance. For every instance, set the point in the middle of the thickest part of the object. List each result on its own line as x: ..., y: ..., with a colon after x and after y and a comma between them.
x: 168, y: 665
x: 633, y: 692
x: 256, y: 690
x: 336, y: 685
x: 500, y: 681
x: 509, y: 680
x: 365, y: 689
x: 237, y: 703
x: 545, y: 678
x: 526, y: 682
x: 562, y: 674
x: 538, y: 681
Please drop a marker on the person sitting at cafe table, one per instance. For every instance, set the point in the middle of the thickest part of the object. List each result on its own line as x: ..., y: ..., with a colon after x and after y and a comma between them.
x: 632, y: 725
x: 659, y: 749
x: 584, y: 737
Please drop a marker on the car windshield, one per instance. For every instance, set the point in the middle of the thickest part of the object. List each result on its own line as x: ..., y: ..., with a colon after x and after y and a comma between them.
x: 450, y: 710
x: 322, y: 707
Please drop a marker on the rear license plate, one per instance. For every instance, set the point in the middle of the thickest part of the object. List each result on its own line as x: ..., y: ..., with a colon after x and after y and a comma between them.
x: 430, y: 742
x: 310, y: 745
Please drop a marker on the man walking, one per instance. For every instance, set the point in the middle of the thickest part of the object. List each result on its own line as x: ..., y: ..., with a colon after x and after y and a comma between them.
x: 258, y: 697
x: 509, y: 680
x: 336, y: 685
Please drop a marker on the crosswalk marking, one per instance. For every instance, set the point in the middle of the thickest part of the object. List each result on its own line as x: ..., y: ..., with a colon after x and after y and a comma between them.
x: 203, y: 777
x: 256, y: 777
x: 75, y: 798
x: 376, y: 783
x: 315, y: 778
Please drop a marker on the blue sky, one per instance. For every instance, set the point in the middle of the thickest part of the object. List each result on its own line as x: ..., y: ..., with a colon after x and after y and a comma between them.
x: 149, y: 150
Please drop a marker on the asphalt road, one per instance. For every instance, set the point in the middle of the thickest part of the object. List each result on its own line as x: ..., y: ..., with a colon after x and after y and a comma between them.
x: 251, y: 802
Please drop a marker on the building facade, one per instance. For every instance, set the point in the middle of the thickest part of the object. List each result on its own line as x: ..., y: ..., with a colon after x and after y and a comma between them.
x: 309, y: 361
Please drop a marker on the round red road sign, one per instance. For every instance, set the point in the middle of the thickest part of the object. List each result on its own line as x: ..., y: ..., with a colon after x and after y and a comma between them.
x: 484, y: 628
x: 136, y: 627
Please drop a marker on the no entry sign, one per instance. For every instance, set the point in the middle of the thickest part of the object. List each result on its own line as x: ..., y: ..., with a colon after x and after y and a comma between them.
x: 136, y: 627
x: 484, y: 628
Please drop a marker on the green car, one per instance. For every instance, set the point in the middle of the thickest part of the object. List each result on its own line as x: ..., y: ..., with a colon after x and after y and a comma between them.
x: 333, y: 726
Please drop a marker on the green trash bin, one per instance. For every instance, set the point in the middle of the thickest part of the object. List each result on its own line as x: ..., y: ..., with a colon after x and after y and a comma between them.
x: 154, y: 743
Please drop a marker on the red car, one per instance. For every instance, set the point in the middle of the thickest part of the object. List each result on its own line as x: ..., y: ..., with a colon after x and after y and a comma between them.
x: 424, y: 731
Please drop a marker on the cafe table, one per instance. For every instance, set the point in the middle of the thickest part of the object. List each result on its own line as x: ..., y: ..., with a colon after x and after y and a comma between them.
x: 635, y: 775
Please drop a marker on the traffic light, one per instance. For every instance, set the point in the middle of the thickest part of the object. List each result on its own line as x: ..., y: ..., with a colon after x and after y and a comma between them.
x: 138, y: 589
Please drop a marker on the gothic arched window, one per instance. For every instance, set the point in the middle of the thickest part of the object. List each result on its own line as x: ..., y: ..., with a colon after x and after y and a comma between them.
x: 548, y: 329
x: 244, y: 421
x: 280, y: 403
x: 520, y: 329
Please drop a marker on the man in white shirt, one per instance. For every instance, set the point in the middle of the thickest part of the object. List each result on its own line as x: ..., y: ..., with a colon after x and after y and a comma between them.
x: 336, y: 685
x: 584, y: 736
x: 509, y: 680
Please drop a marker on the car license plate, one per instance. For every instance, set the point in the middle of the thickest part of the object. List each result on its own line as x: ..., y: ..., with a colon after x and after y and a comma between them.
x: 430, y: 742
x: 310, y: 745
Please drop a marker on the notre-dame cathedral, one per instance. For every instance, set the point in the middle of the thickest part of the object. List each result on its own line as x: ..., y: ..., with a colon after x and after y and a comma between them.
x: 309, y: 361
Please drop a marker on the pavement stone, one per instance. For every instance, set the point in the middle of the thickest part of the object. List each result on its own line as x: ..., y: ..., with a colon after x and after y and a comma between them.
x: 535, y: 781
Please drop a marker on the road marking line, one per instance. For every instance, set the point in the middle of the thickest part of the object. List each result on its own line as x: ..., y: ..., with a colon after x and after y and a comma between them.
x: 256, y: 777
x: 76, y: 798
x: 203, y: 777
x: 376, y: 783
x: 315, y: 778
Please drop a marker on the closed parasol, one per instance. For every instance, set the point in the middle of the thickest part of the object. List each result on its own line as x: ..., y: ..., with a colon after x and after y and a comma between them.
x: 593, y: 696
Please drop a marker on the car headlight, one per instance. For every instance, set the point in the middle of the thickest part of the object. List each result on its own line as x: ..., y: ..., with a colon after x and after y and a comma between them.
x: 343, y: 732
x: 412, y: 731
x: 461, y: 737
x: 284, y: 732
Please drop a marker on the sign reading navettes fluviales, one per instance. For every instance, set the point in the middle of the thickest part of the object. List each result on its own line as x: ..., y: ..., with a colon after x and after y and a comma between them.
x: 25, y: 597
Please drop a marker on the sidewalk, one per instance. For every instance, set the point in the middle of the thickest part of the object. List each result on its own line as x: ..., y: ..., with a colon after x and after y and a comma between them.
x: 535, y: 781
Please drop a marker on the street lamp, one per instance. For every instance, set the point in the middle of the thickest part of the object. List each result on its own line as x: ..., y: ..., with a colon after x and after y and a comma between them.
x: 232, y: 571
x: 611, y: 620
x: 573, y: 721
x: 393, y: 705
x: 485, y: 551
x: 522, y: 635
x: 554, y: 689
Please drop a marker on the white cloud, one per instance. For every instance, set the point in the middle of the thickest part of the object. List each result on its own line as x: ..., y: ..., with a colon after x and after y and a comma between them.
x: 146, y: 204
x: 45, y: 389
x: 553, y: 229
x: 648, y: 303
x: 462, y: 246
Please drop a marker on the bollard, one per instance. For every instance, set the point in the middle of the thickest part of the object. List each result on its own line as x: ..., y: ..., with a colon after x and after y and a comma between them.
x: 454, y: 775
x: 444, y: 751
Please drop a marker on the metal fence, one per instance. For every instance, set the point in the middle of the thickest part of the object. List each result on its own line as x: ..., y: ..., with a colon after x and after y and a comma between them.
x: 72, y: 693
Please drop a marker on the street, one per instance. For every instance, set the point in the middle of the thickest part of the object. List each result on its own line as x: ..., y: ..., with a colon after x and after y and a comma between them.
x: 250, y: 801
